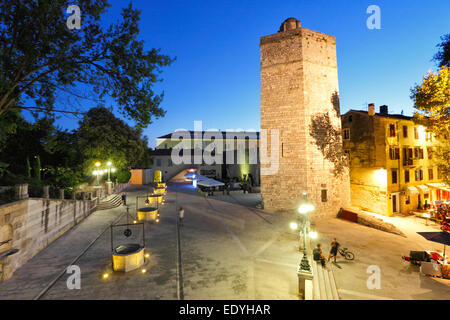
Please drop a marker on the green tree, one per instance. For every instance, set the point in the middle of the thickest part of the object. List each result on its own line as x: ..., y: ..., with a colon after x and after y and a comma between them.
x: 443, y: 55
x: 41, y: 59
x: 103, y: 137
x: 432, y: 101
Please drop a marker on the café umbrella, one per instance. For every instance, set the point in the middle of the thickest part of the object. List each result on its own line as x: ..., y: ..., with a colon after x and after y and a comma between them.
x: 439, y: 237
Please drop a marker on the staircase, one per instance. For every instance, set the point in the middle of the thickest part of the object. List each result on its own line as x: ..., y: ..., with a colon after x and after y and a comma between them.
x: 324, y: 285
x: 111, y: 202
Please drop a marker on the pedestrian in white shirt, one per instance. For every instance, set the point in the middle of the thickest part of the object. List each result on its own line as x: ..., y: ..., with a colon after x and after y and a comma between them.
x: 181, y: 216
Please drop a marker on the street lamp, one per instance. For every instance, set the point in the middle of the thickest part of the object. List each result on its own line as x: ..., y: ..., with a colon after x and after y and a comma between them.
x: 305, y: 209
x: 96, y: 173
x: 109, y: 164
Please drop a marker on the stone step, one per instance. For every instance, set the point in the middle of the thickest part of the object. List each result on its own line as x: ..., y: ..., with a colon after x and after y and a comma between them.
x: 316, y: 290
x: 324, y: 284
x: 110, y: 203
x: 327, y: 284
x: 320, y: 278
x: 333, y: 286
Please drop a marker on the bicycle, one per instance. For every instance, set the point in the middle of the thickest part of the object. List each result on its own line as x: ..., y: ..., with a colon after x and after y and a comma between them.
x: 346, y: 254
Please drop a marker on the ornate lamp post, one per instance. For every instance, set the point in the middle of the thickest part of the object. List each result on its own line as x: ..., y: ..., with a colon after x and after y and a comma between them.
x: 304, y: 271
x: 109, y: 164
x: 97, y: 171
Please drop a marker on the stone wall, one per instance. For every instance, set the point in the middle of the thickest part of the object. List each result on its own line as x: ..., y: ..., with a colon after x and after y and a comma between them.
x: 33, y: 224
x: 299, y: 81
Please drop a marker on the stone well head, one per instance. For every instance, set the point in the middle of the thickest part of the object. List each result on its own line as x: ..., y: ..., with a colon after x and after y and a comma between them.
x: 290, y: 24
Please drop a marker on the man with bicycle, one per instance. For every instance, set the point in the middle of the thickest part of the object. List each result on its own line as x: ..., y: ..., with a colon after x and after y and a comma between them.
x: 334, y: 250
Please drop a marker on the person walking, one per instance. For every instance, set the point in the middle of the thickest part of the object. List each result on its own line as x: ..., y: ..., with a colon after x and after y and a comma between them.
x: 181, y: 216
x: 333, y: 250
x: 124, y: 198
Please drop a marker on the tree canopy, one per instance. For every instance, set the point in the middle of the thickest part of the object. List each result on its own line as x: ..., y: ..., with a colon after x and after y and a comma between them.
x: 443, y: 55
x: 103, y: 137
x: 40, y: 153
x: 42, y: 60
x: 432, y: 100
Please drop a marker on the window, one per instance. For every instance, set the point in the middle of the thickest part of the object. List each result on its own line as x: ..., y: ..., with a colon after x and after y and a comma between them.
x: 392, y: 130
x: 419, y: 175
x: 430, y: 153
x: 407, y: 156
x: 324, y: 195
x: 394, y: 176
x: 406, y: 176
x: 405, y: 131
x: 158, y: 162
x: 394, y: 153
x: 170, y: 162
x: 165, y: 145
x: 350, y: 118
x: 430, y: 174
x: 416, y: 133
x: 346, y: 134
x: 418, y: 153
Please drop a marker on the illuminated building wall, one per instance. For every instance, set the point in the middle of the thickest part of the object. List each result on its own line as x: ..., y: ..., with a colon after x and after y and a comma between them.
x: 392, y: 164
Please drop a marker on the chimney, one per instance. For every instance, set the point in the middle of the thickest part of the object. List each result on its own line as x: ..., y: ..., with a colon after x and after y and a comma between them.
x: 384, y: 109
x: 371, y: 109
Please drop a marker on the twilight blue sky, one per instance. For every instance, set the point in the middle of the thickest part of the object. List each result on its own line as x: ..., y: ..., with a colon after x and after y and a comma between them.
x: 216, y: 77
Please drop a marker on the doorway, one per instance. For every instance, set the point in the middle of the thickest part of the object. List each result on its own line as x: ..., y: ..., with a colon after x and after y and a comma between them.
x: 395, y: 202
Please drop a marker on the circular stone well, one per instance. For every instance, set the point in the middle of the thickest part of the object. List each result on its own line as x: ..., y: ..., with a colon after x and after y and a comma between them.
x: 147, y: 213
x: 155, y: 198
x: 128, y: 257
x: 159, y: 190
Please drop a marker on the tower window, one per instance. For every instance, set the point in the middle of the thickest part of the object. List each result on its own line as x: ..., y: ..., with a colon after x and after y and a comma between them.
x: 324, y: 195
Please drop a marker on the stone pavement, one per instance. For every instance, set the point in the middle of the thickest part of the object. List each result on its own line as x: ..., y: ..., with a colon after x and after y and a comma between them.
x: 230, y: 250
x: 399, y: 279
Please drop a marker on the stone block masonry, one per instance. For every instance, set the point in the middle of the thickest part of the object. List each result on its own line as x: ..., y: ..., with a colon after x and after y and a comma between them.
x: 299, y: 81
x: 32, y: 224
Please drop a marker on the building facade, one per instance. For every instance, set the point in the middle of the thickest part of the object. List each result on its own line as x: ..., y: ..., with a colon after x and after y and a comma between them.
x: 299, y: 81
x: 236, y: 155
x: 392, y: 162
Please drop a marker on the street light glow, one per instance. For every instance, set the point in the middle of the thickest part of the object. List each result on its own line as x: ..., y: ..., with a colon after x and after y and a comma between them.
x: 313, y: 235
x: 305, y: 208
x: 293, y: 225
x: 98, y: 164
x: 109, y: 163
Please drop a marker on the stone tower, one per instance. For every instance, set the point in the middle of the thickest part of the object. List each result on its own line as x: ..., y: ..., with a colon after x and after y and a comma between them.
x: 299, y: 87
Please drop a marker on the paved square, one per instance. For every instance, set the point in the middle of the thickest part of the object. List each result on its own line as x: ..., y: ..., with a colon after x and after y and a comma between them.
x: 229, y: 249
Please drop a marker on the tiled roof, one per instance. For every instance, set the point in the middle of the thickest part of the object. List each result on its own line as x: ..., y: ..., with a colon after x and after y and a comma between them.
x: 383, y: 115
